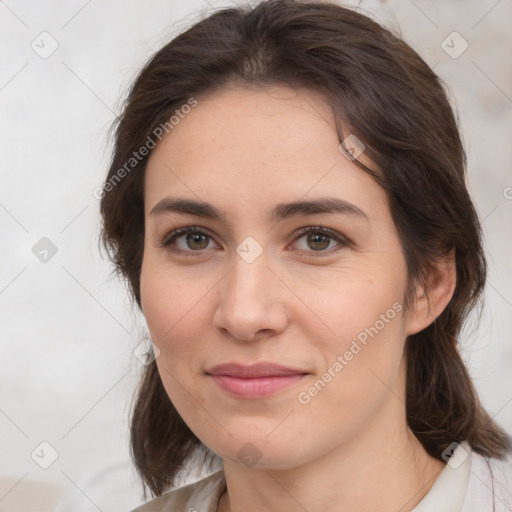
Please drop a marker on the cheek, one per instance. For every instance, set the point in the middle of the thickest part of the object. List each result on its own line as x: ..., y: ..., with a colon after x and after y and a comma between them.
x: 352, y: 303
x: 361, y: 368
x: 174, y: 315
x: 171, y: 301
x: 361, y: 346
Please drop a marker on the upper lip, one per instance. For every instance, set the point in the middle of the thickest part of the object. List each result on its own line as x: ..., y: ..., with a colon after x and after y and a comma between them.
x: 254, y: 370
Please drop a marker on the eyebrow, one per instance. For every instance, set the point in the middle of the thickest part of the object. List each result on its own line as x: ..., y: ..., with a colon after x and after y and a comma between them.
x: 280, y: 212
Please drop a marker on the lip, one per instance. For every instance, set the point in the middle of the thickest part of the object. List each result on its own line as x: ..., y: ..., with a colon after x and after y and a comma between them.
x: 256, y: 380
x: 256, y: 370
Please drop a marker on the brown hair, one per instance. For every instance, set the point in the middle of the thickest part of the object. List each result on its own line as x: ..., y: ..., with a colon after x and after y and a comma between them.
x: 384, y: 93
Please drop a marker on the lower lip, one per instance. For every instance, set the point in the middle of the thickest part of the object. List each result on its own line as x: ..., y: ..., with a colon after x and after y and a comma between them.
x: 256, y: 387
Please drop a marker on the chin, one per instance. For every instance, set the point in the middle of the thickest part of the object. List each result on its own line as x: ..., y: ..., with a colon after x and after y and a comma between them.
x: 261, y: 453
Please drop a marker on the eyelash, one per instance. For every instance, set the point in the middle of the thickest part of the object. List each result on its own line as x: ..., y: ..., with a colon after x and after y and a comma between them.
x: 173, y: 235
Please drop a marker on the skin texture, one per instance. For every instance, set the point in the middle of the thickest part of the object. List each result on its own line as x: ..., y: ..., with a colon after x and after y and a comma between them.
x: 349, y: 447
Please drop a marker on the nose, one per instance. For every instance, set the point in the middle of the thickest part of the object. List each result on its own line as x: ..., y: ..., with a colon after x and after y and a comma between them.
x: 251, y: 301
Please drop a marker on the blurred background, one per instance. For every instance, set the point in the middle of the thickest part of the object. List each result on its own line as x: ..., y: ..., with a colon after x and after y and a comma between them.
x: 70, y: 353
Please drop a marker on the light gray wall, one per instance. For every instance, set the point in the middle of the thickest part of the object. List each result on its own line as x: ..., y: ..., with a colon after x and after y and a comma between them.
x: 68, y: 331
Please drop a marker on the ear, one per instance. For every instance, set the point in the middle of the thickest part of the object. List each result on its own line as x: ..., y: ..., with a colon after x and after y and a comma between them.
x: 432, y: 297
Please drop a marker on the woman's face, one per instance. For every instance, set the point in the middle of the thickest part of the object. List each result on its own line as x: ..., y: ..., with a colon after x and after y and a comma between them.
x: 250, y: 287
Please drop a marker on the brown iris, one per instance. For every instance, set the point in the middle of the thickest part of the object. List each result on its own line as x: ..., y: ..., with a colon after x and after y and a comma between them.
x: 318, y: 241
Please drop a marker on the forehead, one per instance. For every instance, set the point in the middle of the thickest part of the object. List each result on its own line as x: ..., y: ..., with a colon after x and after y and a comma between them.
x: 256, y: 147
x: 242, y: 124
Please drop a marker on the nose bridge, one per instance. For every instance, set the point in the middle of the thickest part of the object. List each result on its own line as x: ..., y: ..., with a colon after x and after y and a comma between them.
x: 250, y: 300
x: 248, y: 275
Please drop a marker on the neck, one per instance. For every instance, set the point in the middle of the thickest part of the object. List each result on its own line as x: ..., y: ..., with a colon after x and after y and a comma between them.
x: 384, y: 468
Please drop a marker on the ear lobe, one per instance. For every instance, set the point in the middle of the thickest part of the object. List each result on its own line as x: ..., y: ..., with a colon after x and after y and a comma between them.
x: 432, y: 297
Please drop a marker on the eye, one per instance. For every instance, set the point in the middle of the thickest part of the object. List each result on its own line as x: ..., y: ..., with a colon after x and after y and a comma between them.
x: 189, y: 239
x: 321, y: 240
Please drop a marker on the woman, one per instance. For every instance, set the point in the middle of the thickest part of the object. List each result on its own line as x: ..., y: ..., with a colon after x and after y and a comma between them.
x: 287, y: 202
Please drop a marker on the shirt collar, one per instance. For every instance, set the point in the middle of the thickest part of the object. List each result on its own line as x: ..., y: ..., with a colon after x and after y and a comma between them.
x: 448, y: 492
